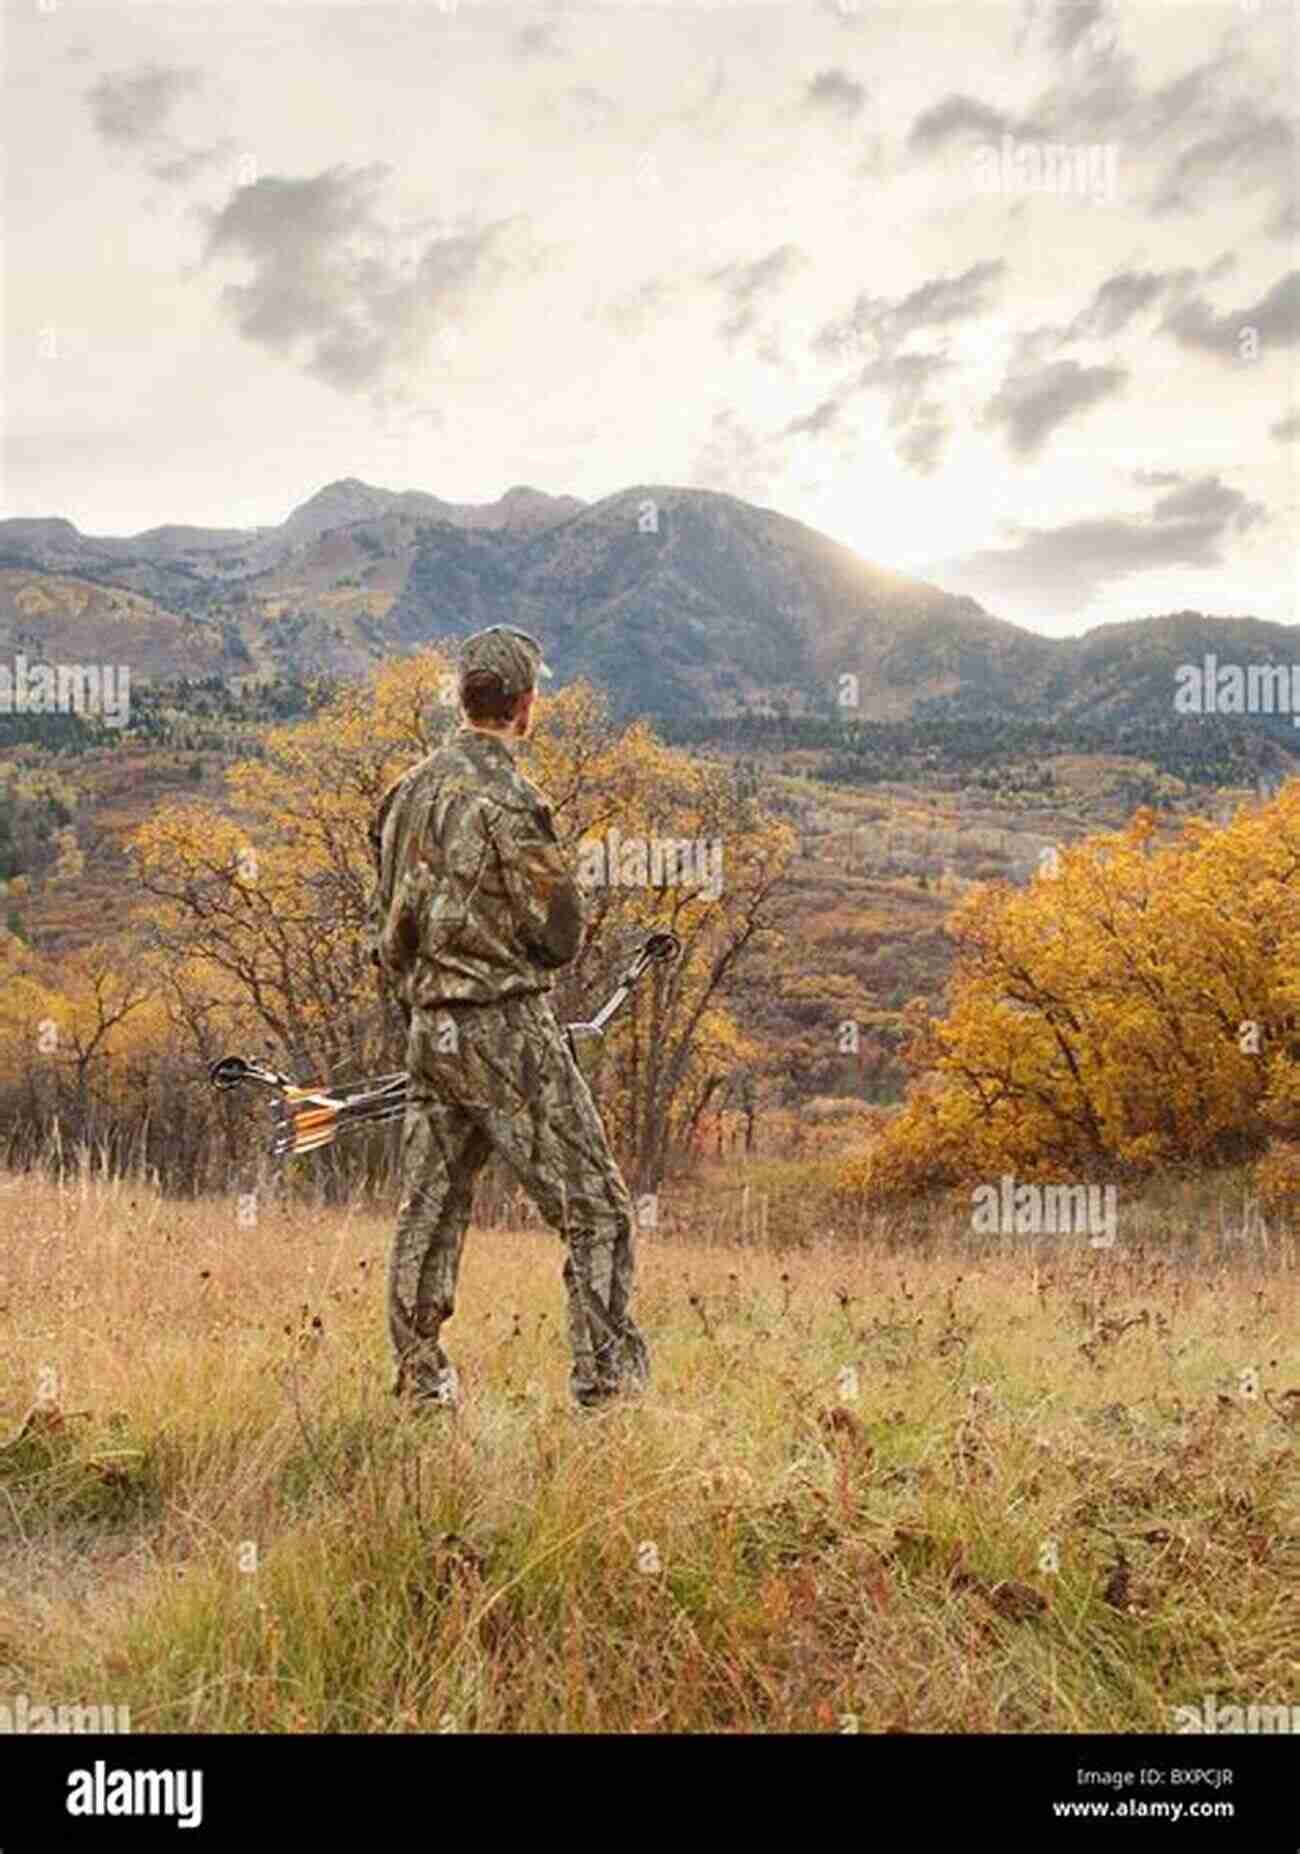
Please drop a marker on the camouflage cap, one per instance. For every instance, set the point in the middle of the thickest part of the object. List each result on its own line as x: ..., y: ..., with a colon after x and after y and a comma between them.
x: 514, y: 657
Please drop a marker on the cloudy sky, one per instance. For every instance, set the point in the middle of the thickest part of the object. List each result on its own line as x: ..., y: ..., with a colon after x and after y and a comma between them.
x: 1004, y: 295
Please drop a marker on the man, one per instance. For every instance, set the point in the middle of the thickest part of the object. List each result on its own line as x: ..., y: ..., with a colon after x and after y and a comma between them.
x: 474, y: 910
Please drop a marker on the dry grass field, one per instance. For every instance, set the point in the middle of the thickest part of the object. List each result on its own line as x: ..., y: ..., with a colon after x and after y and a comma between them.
x: 872, y: 1488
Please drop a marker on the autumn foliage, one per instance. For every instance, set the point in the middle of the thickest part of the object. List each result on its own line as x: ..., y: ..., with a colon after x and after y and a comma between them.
x: 248, y: 932
x: 1135, y: 1008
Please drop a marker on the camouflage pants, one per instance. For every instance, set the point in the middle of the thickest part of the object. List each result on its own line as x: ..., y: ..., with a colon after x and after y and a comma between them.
x: 500, y: 1078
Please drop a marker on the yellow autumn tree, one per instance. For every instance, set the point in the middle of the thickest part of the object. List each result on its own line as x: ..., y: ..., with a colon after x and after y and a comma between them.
x: 659, y: 840
x: 260, y: 904
x: 1133, y: 1008
x: 80, y: 1041
x: 259, y: 908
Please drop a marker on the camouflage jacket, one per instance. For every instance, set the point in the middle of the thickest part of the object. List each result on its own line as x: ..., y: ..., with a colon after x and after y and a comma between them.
x: 473, y: 899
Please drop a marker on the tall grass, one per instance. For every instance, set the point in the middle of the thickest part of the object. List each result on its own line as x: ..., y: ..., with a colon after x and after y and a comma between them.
x: 838, y: 1507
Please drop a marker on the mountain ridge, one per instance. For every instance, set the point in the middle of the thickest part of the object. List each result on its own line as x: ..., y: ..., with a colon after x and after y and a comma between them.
x: 679, y: 601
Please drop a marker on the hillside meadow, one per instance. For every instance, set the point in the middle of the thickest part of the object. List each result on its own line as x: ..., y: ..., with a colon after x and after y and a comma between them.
x: 892, y: 1475
x: 908, y: 1480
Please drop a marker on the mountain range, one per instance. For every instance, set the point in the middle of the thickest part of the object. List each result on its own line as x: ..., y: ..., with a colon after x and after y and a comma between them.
x: 680, y: 602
